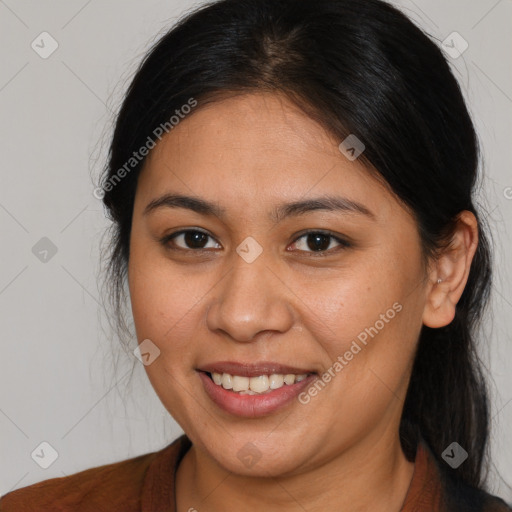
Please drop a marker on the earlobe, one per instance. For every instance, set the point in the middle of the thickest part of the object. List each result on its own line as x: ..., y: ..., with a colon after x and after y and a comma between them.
x: 439, y: 309
x: 449, y: 274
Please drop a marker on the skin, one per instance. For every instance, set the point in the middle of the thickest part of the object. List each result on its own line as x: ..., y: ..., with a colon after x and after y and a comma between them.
x: 341, y: 450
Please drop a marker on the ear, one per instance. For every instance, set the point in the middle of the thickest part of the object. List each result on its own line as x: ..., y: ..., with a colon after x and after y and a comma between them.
x: 452, y: 267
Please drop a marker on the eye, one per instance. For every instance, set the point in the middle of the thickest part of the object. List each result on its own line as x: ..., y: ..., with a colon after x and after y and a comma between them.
x: 189, y: 239
x: 319, y: 242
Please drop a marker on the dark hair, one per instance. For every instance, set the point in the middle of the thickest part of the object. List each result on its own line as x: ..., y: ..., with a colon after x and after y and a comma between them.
x: 358, y: 68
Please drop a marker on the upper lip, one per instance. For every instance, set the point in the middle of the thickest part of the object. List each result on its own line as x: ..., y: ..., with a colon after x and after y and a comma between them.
x: 252, y: 369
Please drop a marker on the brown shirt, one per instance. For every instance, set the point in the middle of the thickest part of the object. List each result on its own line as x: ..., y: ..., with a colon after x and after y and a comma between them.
x: 146, y: 484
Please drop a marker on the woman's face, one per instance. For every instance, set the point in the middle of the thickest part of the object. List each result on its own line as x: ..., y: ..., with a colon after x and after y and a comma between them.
x: 254, y: 290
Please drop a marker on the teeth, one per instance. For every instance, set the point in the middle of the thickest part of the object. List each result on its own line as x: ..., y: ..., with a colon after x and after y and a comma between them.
x: 289, y: 379
x: 258, y: 384
x: 240, y: 383
x: 255, y: 385
x: 276, y: 381
x: 226, y: 381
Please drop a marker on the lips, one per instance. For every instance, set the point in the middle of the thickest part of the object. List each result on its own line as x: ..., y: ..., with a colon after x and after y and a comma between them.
x: 253, y: 369
x: 227, y: 385
x: 254, y: 406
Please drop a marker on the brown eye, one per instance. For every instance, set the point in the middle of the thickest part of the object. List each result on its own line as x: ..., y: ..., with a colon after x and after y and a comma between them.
x: 190, y: 240
x: 319, y: 242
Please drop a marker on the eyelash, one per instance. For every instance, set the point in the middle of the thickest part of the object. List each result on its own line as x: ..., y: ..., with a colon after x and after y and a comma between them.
x: 343, y: 244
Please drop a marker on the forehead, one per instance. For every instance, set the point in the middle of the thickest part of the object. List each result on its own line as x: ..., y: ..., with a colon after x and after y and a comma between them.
x: 265, y: 125
x: 258, y: 148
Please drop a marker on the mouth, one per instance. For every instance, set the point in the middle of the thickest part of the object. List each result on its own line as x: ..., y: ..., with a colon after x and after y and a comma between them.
x: 253, y: 390
x: 257, y: 385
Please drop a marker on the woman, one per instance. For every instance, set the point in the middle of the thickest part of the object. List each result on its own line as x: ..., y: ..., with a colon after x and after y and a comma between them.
x: 291, y: 185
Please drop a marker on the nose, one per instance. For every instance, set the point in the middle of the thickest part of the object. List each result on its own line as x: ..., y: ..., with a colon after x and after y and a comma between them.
x: 250, y: 300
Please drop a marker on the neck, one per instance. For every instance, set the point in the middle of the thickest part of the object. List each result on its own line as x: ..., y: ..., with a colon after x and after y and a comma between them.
x: 373, y: 475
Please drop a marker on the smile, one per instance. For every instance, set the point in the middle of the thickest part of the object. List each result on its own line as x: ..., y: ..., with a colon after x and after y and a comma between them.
x: 255, y: 385
x: 259, y: 391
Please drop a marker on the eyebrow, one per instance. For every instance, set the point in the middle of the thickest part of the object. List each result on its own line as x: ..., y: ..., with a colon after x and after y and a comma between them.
x: 295, y: 208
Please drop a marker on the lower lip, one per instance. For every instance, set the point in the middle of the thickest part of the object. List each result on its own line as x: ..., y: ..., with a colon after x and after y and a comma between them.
x: 253, y: 406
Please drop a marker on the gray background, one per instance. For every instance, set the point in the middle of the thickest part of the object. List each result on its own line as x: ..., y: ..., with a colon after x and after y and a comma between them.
x: 58, y: 380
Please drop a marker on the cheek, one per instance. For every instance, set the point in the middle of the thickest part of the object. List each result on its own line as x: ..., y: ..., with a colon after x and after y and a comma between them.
x: 346, y: 303
x: 367, y: 352
x: 159, y: 298
x: 168, y: 305
x: 163, y: 305
x: 369, y: 318
x: 160, y: 301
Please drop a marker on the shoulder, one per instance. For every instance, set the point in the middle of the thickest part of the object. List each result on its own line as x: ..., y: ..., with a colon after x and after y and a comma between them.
x: 115, y: 486
x: 463, y: 498
x: 436, y: 488
x: 494, y: 504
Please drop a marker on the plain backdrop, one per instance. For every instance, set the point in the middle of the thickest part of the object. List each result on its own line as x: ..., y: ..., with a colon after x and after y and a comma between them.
x: 58, y: 383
